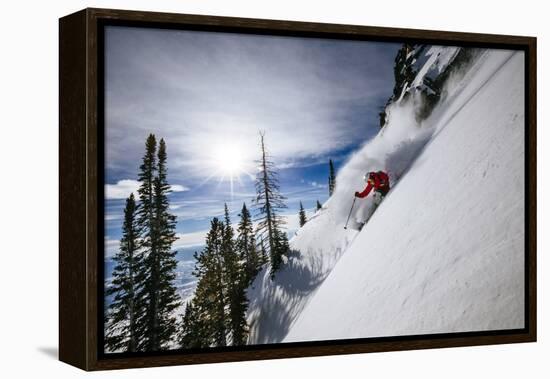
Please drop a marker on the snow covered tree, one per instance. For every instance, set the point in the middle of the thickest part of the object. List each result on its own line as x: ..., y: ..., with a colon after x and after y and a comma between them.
x: 331, y: 178
x: 122, y: 333
x: 318, y: 205
x: 269, y: 202
x: 245, y: 246
x: 404, y: 70
x: 302, y: 215
x: 157, y: 224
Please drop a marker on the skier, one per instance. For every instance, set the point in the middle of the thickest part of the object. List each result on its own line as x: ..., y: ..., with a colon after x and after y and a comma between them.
x: 380, y: 182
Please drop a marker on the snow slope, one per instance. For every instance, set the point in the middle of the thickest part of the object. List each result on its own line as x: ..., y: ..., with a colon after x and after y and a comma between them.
x: 275, y: 304
x: 444, y: 252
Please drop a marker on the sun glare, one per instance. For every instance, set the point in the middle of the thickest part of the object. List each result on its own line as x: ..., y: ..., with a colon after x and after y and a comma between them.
x: 229, y: 161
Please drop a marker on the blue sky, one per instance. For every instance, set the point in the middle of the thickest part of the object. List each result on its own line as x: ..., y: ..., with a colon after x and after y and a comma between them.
x: 210, y: 94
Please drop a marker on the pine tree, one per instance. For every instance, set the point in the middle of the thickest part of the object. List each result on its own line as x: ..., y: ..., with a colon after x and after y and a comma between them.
x: 302, y: 215
x: 187, y: 328
x: 191, y: 330
x: 158, y: 235
x: 122, y: 333
x: 269, y: 202
x: 281, y: 241
x: 145, y: 213
x: 331, y: 178
x: 245, y: 245
x: 234, y: 283
x: 319, y: 206
x: 145, y: 222
x: 263, y: 253
x: 210, y: 298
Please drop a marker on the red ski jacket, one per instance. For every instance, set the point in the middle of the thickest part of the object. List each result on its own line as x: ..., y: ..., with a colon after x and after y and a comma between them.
x: 377, y: 180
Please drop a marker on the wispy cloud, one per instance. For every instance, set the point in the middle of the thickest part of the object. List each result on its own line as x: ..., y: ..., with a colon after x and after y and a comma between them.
x: 111, y: 247
x: 178, y: 188
x: 113, y: 216
x: 186, y: 240
x: 123, y: 188
x: 197, y: 238
x: 314, y: 183
x: 204, y: 90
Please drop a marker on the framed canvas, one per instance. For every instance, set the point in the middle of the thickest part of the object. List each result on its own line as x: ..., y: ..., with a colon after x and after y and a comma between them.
x: 240, y: 189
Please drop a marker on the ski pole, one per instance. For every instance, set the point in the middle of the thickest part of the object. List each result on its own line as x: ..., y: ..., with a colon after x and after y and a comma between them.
x: 349, y: 215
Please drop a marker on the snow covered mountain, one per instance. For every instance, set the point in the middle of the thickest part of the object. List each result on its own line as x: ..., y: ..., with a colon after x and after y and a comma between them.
x: 444, y: 251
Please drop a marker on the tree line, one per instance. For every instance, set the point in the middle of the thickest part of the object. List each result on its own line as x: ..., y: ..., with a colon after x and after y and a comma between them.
x: 229, y: 263
x: 302, y: 218
x: 216, y: 316
x: 141, y: 315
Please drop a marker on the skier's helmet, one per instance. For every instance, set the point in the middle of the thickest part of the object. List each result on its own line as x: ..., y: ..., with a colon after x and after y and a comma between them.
x: 367, y: 176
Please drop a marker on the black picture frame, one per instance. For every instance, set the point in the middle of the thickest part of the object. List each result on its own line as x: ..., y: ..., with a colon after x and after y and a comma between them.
x: 81, y: 183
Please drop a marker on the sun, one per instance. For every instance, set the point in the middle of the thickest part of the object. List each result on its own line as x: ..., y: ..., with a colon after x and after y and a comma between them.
x: 229, y: 161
